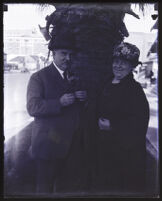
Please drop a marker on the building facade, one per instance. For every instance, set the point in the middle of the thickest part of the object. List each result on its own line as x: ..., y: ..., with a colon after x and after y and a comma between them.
x: 24, y: 42
x: 143, y: 41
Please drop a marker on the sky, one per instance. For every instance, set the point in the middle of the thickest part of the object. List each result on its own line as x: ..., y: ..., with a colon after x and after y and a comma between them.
x: 28, y: 16
x: 25, y: 16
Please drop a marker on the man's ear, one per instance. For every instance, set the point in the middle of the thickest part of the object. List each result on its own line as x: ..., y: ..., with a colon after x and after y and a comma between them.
x: 53, y: 52
x: 132, y: 69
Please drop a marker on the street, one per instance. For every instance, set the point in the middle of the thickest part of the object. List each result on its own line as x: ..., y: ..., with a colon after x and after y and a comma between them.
x: 15, y: 114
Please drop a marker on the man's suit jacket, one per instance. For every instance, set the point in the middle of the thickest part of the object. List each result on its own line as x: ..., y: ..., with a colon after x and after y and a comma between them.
x: 54, y: 125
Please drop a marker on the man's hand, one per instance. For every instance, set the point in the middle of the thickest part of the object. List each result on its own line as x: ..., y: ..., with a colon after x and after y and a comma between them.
x: 104, y: 124
x: 81, y: 95
x: 67, y: 99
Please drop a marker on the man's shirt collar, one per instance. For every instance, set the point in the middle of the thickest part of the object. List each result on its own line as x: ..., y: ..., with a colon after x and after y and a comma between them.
x: 60, y: 71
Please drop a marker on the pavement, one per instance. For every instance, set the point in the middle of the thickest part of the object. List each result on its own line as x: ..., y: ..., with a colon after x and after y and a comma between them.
x: 152, y: 133
x: 151, y: 92
x: 15, y: 114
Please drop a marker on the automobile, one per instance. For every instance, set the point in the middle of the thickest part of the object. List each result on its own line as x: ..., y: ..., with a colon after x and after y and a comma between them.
x: 7, y: 67
x: 11, y: 66
x: 24, y: 70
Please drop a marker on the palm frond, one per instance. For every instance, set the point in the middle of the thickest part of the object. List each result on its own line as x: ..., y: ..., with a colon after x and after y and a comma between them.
x: 43, y: 6
x: 143, y: 7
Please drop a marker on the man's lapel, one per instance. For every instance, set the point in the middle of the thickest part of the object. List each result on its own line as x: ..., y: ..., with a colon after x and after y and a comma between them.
x: 57, y: 77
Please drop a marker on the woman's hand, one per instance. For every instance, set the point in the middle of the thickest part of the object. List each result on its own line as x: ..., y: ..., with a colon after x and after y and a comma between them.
x: 104, y: 124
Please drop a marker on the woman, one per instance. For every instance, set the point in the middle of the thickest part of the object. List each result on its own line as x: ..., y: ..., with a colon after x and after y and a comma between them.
x: 123, y: 122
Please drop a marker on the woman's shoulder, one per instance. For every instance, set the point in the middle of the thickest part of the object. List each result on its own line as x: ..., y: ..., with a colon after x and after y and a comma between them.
x: 135, y: 84
x: 137, y: 91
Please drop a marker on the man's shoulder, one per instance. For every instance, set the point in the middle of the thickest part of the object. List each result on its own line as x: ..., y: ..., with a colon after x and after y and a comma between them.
x: 42, y: 72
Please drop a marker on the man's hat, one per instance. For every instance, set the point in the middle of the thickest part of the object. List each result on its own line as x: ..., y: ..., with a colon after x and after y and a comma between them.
x: 64, y: 40
x: 127, y: 51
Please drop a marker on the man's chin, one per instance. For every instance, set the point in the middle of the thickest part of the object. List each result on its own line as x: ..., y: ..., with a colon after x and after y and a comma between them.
x: 65, y: 66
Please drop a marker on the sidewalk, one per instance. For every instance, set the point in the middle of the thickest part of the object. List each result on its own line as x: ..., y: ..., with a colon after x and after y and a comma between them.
x: 152, y: 133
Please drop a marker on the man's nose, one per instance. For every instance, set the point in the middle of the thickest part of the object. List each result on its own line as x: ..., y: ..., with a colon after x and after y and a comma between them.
x: 68, y: 57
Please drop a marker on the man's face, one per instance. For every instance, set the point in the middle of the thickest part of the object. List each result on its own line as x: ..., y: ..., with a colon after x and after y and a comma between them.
x: 121, y: 68
x: 62, y: 58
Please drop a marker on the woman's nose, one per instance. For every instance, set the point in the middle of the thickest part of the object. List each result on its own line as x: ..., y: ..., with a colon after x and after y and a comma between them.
x: 119, y: 67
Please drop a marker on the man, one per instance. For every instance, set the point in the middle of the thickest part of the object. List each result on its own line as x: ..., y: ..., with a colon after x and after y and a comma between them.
x: 54, y: 104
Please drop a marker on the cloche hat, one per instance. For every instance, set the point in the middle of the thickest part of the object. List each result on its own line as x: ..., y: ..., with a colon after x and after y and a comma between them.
x: 127, y: 51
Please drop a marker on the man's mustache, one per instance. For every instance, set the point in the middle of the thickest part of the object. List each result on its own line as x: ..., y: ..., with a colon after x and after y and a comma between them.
x: 66, y: 62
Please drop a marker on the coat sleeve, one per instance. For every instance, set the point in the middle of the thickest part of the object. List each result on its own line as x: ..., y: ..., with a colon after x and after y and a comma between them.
x: 37, y: 106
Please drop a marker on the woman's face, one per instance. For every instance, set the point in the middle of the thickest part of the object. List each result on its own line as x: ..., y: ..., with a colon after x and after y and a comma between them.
x: 121, y: 68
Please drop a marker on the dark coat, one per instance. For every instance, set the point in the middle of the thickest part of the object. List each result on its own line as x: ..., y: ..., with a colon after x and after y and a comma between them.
x: 122, y: 150
x: 54, y: 125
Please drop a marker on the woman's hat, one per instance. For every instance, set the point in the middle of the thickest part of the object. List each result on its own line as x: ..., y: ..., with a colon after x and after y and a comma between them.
x: 127, y: 51
x: 64, y: 40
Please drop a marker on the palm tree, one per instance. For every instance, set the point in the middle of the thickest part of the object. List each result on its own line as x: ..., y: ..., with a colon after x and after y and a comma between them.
x: 98, y: 27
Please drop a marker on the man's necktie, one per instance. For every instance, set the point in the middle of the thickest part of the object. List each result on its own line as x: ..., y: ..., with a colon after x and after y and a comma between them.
x: 65, y: 74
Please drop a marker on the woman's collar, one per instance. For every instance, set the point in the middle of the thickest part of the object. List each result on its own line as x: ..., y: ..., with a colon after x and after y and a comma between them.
x: 126, y: 78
